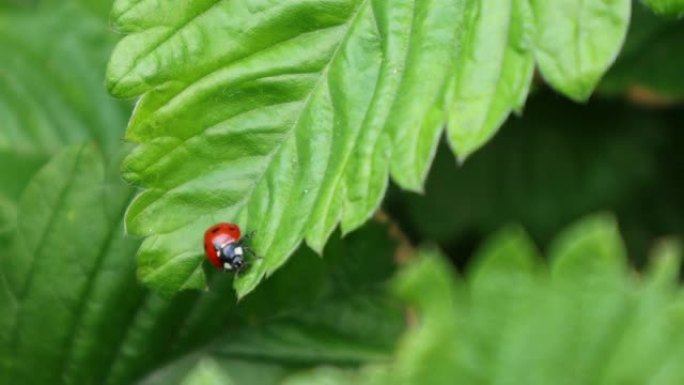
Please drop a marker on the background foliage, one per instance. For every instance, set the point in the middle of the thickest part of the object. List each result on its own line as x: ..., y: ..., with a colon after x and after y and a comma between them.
x: 71, y: 302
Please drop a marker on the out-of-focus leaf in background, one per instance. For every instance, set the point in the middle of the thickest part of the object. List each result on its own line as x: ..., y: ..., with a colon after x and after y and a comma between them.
x: 555, y: 164
x: 666, y: 7
x: 51, y: 91
x: 649, y: 66
x: 52, y: 81
x: 585, y: 318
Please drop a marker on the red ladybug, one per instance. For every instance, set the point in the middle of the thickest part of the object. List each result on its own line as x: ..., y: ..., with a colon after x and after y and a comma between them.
x: 224, y: 248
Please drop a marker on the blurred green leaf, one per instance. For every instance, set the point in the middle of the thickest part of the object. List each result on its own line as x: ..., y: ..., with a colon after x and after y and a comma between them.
x: 651, y: 61
x: 591, y: 247
x: 576, y: 41
x: 666, y: 7
x: 428, y: 354
x: 617, y: 330
x: 52, y: 92
x: 508, y: 252
x: 207, y: 372
x: 543, y: 172
x: 323, y: 376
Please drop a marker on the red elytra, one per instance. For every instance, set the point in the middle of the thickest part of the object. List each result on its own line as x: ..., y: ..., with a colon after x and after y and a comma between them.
x: 217, y: 236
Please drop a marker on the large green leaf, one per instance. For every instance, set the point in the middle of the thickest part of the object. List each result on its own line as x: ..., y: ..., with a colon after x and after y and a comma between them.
x: 540, y: 172
x: 253, y: 112
x: 70, y: 303
x: 588, y: 321
x: 63, y: 271
x: 288, y: 116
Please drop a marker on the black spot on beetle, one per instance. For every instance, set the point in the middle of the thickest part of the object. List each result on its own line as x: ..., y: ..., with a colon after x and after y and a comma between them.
x: 215, y: 230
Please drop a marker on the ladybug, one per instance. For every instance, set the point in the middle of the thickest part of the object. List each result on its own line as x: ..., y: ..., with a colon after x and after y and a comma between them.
x: 224, y: 248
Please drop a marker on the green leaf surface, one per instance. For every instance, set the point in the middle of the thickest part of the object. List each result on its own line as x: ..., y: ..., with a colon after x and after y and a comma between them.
x: 577, y: 40
x: 335, y: 318
x: 617, y: 330
x: 72, y: 266
x: 288, y: 117
x: 592, y: 246
x: 323, y: 376
x: 64, y: 238
x: 207, y: 372
x: 503, y: 271
x: 666, y: 7
x: 52, y: 93
x: 252, y: 112
x: 494, y: 75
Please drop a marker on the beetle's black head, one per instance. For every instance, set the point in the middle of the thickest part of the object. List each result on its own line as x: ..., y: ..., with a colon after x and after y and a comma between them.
x: 232, y: 256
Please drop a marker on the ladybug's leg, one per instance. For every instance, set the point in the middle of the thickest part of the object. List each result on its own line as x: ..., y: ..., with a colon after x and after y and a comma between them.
x: 252, y: 253
x: 247, y: 237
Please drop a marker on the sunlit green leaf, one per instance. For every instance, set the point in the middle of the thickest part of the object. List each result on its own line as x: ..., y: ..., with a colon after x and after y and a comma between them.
x: 495, y: 71
x: 577, y: 40
x: 288, y: 117
x: 254, y: 113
